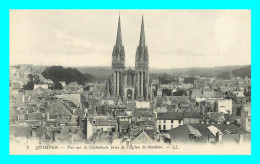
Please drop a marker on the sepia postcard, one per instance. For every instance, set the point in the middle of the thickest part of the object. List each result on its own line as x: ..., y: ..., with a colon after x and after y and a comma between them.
x: 130, y: 82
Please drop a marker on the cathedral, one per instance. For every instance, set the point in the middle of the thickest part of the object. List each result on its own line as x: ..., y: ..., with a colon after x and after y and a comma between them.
x: 126, y: 83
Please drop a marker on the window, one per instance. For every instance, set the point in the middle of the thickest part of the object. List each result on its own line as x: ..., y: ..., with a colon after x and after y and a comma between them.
x: 179, y: 121
x: 113, y: 129
x: 164, y: 127
x: 160, y: 127
x: 191, y: 136
x: 164, y: 121
x: 172, y: 121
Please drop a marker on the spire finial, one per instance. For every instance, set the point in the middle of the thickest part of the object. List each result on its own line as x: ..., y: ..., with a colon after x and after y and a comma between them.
x: 142, y: 36
x: 119, y: 36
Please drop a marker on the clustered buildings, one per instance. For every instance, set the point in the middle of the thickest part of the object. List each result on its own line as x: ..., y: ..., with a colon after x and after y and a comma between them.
x: 129, y: 108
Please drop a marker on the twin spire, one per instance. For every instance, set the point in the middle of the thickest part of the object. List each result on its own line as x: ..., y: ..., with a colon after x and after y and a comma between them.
x: 119, y: 35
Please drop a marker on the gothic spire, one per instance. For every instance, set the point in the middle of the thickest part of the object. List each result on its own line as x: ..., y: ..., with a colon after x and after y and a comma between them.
x: 119, y: 35
x: 142, y: 36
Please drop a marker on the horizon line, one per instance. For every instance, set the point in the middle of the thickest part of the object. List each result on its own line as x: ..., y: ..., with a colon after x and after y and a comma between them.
x: 134, y: 67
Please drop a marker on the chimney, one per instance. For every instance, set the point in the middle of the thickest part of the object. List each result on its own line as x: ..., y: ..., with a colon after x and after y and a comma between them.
x: 219, y: 137
x: 23, y: 98
x: 48, y: 115
x: 53, y: 136
x: 155, y: 114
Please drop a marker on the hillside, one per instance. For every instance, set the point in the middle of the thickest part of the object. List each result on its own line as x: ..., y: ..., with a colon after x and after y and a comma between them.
x: 241, y: 72
x: 225, y: 75
x: 102, y: 73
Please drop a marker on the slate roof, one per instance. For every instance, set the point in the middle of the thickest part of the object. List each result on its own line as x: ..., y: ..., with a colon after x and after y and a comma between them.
x: 68, y: 132
x: 230, y: 129
x: 191, y: 114
x: 91, y: 111
x: 120, y: 113
x: 80, y: 112
x: 56, y: 129
x: 123, y: 124
x: 75, y: 98
x: 150, y: 132
x: 184, y: 105
x: 35, y: 116
x: 140, y: 114
x: 142, y: 138
x: 193, y: 130
x: 58, y: 108
x: 104, y: 122
x: 61, y: 120
x: 179, y: 98
x: 224, y: 128
x: 171, y: 107
x: 170, y: 116
x: 186, y: 129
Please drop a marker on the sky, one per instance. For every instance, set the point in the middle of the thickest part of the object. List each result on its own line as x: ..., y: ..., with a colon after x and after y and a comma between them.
x: 175, y: 38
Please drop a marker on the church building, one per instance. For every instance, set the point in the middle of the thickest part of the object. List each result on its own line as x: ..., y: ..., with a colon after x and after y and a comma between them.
x: 127, y: 83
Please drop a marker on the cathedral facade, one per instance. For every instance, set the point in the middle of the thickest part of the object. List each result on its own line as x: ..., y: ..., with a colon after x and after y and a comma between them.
x: 127, y: 83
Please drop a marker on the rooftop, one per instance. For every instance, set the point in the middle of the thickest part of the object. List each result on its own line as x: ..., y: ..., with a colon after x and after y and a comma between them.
x: 170, y: 116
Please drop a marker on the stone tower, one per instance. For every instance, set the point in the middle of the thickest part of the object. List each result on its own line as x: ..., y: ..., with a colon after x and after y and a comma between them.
x: 142, y: 67
x: 118, y: 63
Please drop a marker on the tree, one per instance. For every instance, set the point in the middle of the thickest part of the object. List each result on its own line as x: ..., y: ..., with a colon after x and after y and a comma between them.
x: 58, y: 73
x: 30, y: 76
x: 189, y: 80
x: 29, y: 85
x: 180, y: 93
x: 166, y: 79
x: 36, y: 79
x: 86, y: 88
x: 56, y: 86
